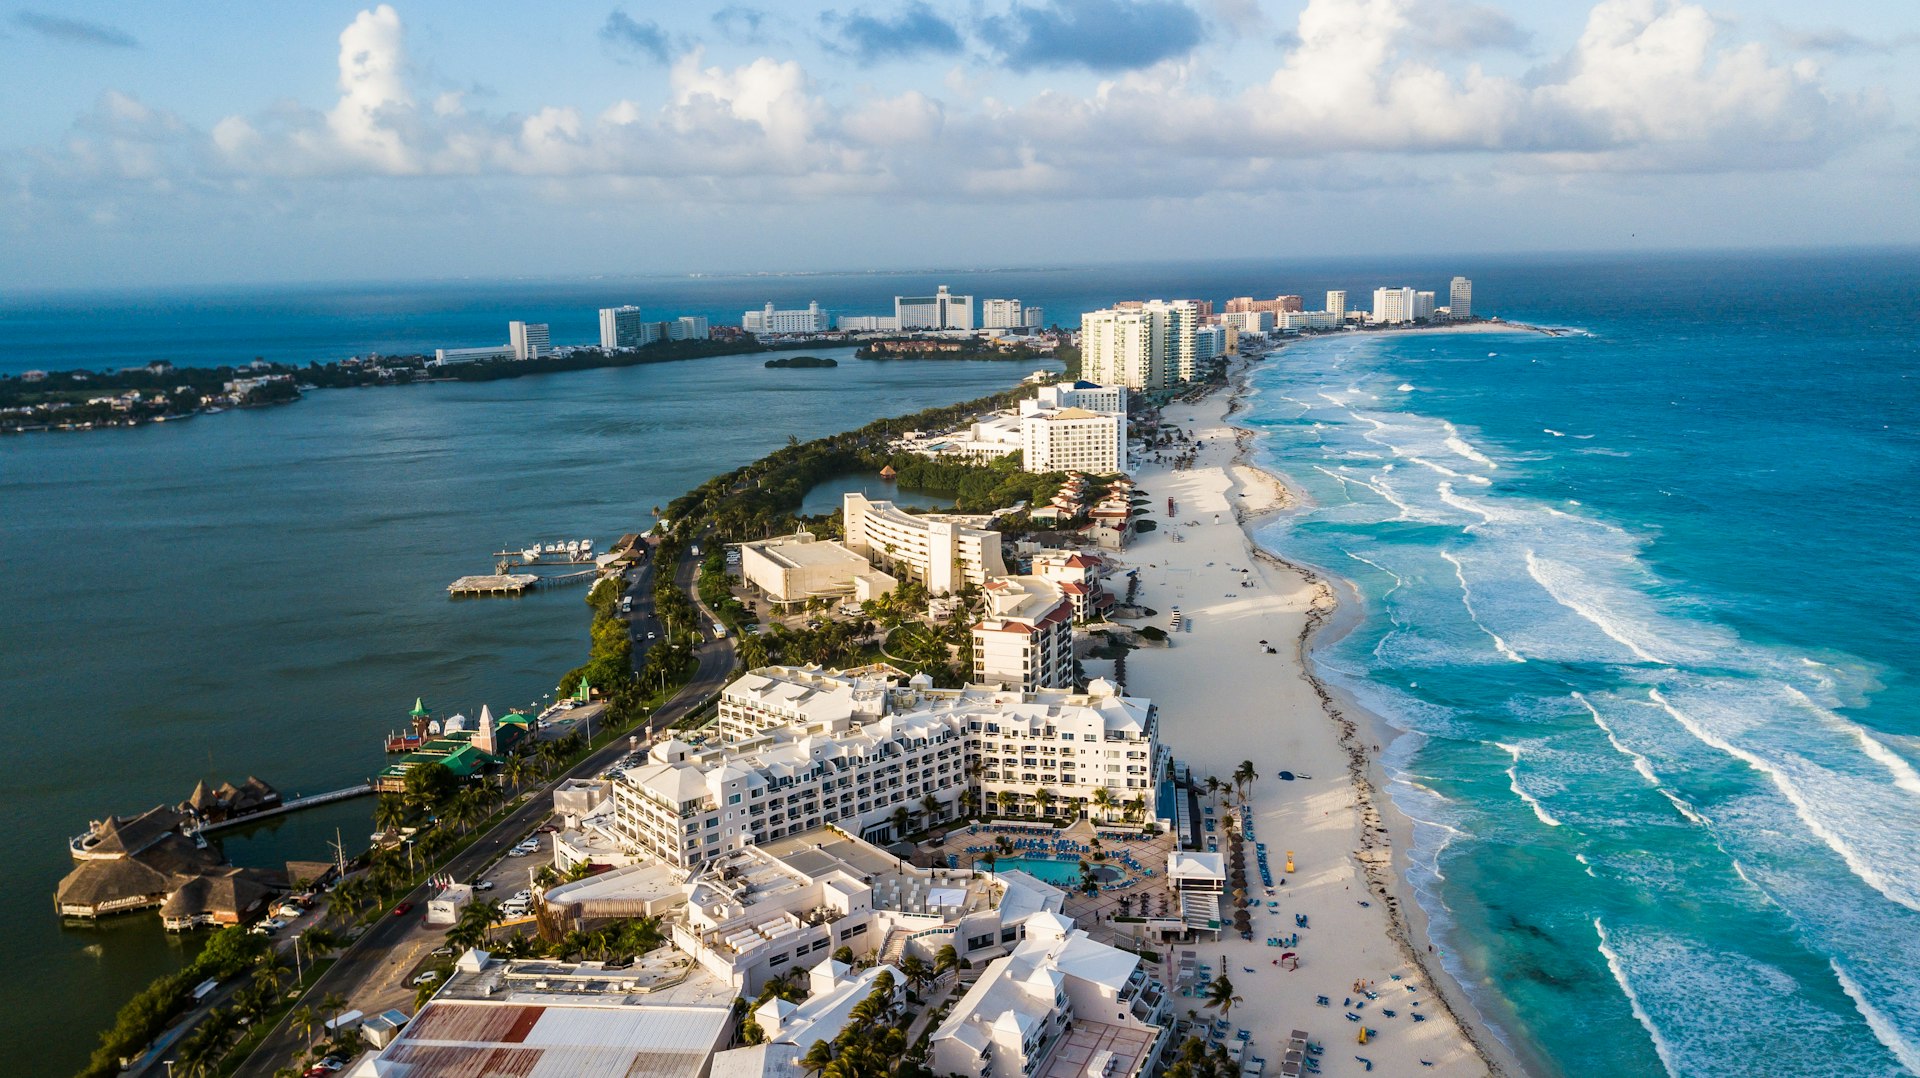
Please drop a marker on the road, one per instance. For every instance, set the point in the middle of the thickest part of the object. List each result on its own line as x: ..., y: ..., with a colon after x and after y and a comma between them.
x: 395, y: 941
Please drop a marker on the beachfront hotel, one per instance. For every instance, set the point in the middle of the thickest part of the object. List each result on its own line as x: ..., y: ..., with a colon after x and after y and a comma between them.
x: 1145, y: 345
x: 1061, y: 1005
x: 943, y: 552
x: 805, y: 747
x: 1024, y: 640
x: 529, y: 340
x: 1460, y: 299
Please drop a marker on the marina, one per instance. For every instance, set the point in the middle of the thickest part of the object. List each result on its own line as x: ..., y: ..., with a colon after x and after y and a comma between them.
x: 493, y: 584
x: 572, y: 552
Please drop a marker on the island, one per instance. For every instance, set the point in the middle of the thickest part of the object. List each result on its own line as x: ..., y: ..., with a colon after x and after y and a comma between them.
x: 803, y: 361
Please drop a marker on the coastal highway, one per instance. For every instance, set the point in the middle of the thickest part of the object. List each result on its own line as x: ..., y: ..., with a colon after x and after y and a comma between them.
x: 369, y: 956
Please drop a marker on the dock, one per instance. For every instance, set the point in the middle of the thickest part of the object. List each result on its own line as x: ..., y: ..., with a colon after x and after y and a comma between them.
x: 290, y: 806
x: 494, y: 584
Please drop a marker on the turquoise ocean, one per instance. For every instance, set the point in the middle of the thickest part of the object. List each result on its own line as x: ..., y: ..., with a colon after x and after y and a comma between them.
x: 1641, y: 598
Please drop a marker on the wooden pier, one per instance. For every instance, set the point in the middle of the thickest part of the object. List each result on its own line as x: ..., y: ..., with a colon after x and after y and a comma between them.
x: 290, y: 806
x: 494, y: 584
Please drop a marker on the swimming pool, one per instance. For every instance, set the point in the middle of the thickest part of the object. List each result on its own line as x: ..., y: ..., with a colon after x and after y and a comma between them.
x: 1059, y: 873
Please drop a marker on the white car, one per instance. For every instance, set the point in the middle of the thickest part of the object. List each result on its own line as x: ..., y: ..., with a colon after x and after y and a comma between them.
x: 483, y: 885
x: 271, y: 924
x: 428, y: 977
x: 522, y: 896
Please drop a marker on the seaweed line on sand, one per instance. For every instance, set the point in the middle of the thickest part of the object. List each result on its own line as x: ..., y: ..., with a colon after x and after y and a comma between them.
x: 1375, y: 852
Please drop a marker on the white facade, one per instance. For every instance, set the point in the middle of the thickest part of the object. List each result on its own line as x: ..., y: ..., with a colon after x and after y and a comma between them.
x: 942, y: 310
x: 1392, y: 306
x: 1073, y: 440
x: 807, y: 747
x: 1033, y: 317
x: 1025, y: 641
x: 1260, y: 322
x: 1124, y: 347
x: 622, y: 327
x: 945, y: 553
x: 1460, y: 298
x: 1059, y: 987
x: 1423, y: 306
x: 1295, y: 321
x: 1001, y: 314
x: 810, y: 319
x: 866, y: 323
x: 1182, y: 319
x: 1111, y: 400
x: 529, y: 340
x: 1337, y: 305
x: 689, y: 327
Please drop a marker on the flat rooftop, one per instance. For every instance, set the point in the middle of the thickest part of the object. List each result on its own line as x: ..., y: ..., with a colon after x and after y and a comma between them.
x: 909, y: 889
x: 822, y: 553
x: 1087, y: 1038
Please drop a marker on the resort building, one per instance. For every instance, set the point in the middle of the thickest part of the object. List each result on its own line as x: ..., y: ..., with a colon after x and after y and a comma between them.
x: 529, y: 340
x: 663, y: 1016
x: 1025, y: 641
x: 1460, y: 299
x: 866, y: 323
x: 1295, y: 321
x: 1075, y: 574
x: 810, y: 319
x: 1094, y: 397
x: 1247, y: 322
x: 799, y: 567
x: 1124, y: 347
x: 763, y: 911
x: 1392, y: 306
x: 940, y: 311
x: 1072, y: 440
x: 1337, y: 306
x: 1060, y: 1006
x: 788, y: 1029
x: 1209, y: 344
x: 804, y: 748
x: 446, y: 357
x: 942, y: 552
x: 1275, y: 306
x: 621, y: 328
x: 140, y: 862
x: 1001, y: 314
x: 1423, y: 306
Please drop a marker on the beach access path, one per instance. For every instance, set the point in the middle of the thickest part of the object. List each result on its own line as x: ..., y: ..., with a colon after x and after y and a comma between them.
x: 1224, y: 699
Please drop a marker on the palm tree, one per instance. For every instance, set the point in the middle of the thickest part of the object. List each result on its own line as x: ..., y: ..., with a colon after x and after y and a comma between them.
x: 389, y: 813
x: 1007, y: 800
x: 304, y: 1021
x: 335, y: 1004
x: 1244, y: 775
x: 1103, y: 800
x: 1043, y: 797
x: 947, y: 958
x: 1136, y: 807
x: 319, y: 941
x: 1220, y: 995
x: 930, y: 806
x: 969, y: 801
x: 516, y: 771
x: 1214, y: 786
x: 902, y: 822
x: 989, y: 859
x: 917, y: 971
x: 818, y: 1055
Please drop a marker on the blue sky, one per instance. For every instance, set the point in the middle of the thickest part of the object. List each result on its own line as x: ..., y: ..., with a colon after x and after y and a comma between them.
x: 183, y: 143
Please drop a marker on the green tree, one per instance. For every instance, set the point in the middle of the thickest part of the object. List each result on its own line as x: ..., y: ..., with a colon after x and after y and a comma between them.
x: 1220, y: 996
x: 1244, y: 777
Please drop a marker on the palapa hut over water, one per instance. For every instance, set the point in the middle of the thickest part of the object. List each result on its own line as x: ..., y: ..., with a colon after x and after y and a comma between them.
x: 228, y: 801
x: 139, y: 862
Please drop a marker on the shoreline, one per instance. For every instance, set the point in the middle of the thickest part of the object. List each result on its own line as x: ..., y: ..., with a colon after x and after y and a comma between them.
x: 1341, y: 826
x: 1337, y: 612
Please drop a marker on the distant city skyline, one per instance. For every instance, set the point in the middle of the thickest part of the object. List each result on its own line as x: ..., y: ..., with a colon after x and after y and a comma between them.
x: 423, y: 139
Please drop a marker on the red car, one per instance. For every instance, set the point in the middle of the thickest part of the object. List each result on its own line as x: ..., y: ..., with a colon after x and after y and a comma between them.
x: 403, y: 909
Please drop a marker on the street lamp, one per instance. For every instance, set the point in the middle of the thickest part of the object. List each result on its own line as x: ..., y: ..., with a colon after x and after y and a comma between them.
x: 298, y: 976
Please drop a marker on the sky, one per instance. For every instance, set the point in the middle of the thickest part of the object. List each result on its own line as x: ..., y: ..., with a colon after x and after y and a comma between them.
x: 174, y: 142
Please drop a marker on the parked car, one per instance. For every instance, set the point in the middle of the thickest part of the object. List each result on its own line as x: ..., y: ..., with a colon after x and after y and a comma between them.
x: 443, y: 952
x: 483, y: 885
x: 403, y: 909
x: 428, y: 977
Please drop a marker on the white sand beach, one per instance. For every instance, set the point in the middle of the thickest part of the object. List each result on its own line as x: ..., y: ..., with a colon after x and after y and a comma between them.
x: 1224, y: 699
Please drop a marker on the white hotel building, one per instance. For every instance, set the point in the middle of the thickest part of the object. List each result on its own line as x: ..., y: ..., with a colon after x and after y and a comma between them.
x: 806, y: 747
x: 529, y: 340
x: 943, y: 552
x: 1025, y: 639
x: 1062, y: 1005
x: 811, y: 319
x: 942, y: 310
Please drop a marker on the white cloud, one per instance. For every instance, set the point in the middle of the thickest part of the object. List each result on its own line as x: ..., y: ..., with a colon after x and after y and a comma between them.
x: 1649, y: 85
